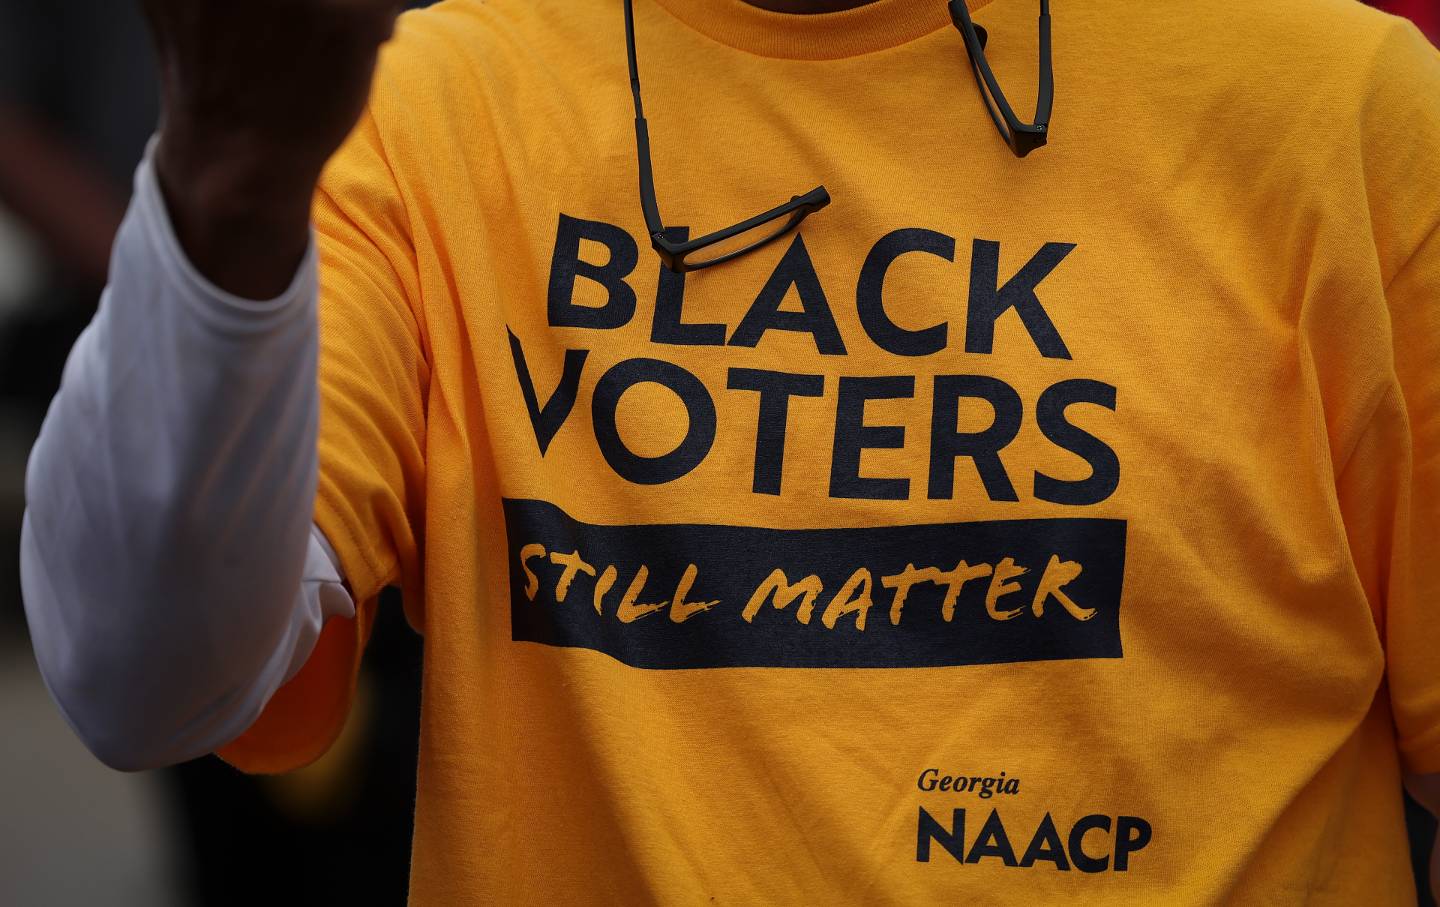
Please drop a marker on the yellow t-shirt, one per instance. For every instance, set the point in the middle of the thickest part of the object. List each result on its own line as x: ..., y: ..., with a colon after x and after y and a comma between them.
x: 1016, y: 532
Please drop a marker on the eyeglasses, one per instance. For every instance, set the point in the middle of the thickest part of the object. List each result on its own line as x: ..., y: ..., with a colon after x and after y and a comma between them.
x: 761, y: 230
x: 1022, y: 138
x: 722, y: 245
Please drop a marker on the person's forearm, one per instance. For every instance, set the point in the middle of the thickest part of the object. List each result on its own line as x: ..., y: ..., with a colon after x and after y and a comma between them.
x: 170, y: 498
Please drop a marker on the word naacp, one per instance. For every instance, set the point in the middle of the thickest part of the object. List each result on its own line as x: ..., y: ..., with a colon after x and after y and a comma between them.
x: 856, y: 596
x: 1130, y: 834
x: 773, y: 391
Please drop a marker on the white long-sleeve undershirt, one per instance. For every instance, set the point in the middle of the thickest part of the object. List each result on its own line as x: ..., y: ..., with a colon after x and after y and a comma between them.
x: 172, y: 574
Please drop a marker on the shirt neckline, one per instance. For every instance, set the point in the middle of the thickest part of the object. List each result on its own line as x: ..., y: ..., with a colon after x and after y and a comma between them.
x: 878, y: 25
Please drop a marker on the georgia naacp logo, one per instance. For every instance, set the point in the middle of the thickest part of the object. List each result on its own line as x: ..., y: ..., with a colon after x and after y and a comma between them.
x: 978, y: 833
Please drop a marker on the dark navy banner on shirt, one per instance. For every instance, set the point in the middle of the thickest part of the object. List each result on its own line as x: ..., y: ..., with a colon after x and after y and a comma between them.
x: 702, y: 596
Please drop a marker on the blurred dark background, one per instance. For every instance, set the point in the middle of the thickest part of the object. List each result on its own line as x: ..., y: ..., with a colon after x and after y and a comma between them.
x: 77, y: 103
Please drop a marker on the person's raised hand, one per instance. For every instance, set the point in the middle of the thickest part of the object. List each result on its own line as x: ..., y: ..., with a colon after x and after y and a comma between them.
x: 257, y: 95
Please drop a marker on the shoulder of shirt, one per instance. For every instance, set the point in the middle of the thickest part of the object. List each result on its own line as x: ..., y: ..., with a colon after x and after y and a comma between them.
x: 467, y: 59
x: 1349, y: 89
x: 459, y: 32
x: 1315, y: 71
x: 1347, y: 36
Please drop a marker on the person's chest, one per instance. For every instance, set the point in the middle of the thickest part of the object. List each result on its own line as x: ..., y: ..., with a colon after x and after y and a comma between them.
x: 977, y: 420
x: 1018, y: 392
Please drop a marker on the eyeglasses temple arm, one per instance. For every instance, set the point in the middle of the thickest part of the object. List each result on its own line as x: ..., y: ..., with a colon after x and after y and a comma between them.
x: 648, y: 204
x: 1045, y: 99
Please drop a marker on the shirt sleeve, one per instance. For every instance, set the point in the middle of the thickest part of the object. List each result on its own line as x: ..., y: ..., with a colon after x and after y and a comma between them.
x: 374, y: 379
x: 1390, y: 492
x: 166, y: 601
x: 1389, y: 487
